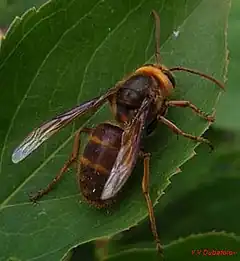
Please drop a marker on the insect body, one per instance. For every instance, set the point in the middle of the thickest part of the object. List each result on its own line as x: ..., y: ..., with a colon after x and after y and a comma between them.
x: 109, y: 150
x: 137, y: 102
x: 148, y: 82
x: 97, y: 161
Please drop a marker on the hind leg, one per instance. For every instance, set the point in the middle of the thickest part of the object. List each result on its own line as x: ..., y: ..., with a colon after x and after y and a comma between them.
x: 68, y: 163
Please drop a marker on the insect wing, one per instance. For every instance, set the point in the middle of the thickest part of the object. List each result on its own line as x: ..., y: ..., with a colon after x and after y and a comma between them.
x: 127, y: 155
x: 46, y: 130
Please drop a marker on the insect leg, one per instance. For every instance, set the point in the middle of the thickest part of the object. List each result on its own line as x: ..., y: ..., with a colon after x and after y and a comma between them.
x: 68, y: 163
x: 145, y: 189
x: 188, y: 104
x: 178, y: 131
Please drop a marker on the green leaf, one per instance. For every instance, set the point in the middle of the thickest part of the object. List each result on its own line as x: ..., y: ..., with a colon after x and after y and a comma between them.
x: 10, y: 9
x: 66, y: 53
x: 228, y: 107
x: 220, y: 246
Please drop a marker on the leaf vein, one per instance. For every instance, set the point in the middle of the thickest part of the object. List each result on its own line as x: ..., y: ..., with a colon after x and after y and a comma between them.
x: 31, y: 84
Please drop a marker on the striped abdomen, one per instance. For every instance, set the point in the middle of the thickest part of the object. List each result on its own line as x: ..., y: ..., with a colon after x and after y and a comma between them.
x: 97, y: 161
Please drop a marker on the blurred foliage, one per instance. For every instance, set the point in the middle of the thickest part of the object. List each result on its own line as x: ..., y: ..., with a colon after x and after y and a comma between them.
x: 201, y: 247
x: 9, y: 9
x: 200, y: 208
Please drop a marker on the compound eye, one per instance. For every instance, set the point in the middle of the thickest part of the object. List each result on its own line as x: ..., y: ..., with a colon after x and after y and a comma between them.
x: 170, y: 77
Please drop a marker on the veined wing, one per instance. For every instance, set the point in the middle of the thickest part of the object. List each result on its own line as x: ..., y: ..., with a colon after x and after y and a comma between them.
x: 128, y: 153
x: 47, y: 129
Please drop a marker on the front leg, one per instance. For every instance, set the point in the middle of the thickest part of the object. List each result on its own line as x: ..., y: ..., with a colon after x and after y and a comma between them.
x: 194, y: 108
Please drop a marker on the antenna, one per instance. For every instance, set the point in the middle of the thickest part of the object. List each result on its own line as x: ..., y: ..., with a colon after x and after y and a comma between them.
x: 210, y: 78
x: 157, y: 36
